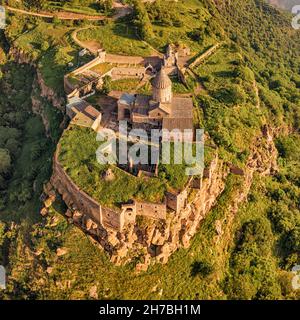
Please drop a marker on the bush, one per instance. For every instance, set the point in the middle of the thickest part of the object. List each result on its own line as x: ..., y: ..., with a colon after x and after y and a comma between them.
x: 231, y: 95
x: 201, y: 268
x: 106, y: 87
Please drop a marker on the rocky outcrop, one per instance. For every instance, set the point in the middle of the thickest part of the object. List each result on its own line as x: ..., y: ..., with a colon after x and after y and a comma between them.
x: 155, y: 239
x: 21, y: 56
x: 50, y: 94
x: 37, y: 109
x: 263, y: 161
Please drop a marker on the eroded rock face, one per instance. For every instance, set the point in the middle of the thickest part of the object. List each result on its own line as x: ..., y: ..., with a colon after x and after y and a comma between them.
x: 21, y: 57
x: 50, y: 94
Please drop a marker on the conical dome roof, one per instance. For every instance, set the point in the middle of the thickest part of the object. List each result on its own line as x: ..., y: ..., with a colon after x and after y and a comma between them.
x: 161, y: 80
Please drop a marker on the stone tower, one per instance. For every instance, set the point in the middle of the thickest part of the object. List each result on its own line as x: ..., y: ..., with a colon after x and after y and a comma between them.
x: 162, y: 87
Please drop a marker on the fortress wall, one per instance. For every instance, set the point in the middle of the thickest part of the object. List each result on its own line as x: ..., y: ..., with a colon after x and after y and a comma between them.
x: 151, y: 210
x: 111, y: 219
x: 204, y: 55
x: 89, y: 65
x: 73, y: 196
x: 175, y: 201
x: 119, y: 59
x: 68, y: 87
x: 181, y: 75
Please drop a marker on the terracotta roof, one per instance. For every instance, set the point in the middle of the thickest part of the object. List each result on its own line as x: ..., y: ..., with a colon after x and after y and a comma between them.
x: 165, y: 107
x: 161, y: 80
x: 177, y: 123
x: 181, y: 116
x: 182, y: 108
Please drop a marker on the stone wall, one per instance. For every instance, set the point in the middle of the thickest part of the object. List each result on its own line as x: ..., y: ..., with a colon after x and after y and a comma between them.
x: 111, y: 219
x: 72, y: 195
x: 203, y: 56
x: 124, y: 72
x: 181, y: 75
x: 177, y: 201
x: 151, y: 210
x: 119, y: 233
x: 88, y: 65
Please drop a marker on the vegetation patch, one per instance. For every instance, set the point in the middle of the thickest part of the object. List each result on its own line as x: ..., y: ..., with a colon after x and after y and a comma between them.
x: 118, y: 38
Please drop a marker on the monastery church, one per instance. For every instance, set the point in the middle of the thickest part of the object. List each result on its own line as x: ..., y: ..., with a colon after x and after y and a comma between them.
x: 161, y: 110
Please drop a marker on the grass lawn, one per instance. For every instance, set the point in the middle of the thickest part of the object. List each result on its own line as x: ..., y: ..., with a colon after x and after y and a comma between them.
x: 54, y: 65
x: 88, y: 9
x: 116, y: 38
x: 219, y: 69
x: 49, y: 45
x: 78, y: 156
x: 102, y: 68
x: 127, y: 85
x: 31, y: 41
x: 178, y: 86
x: 73, y: 80
x: 192, y: 16
x: 232, y: 124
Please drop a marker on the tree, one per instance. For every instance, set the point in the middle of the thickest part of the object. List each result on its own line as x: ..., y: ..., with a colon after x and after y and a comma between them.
x: 201, y: 268
x: 106, y: 87
x: 142, y: 21
x: 231, y: 95
x: 108, y: 5
x: 38, y: 4
x: 56, y: 21
x: 5, y: 161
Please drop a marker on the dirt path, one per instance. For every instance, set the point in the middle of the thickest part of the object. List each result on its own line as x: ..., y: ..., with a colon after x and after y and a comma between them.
x: 256, y: 94
x: 63, y: 15
x: 121, y: 11
x: 92, y: 46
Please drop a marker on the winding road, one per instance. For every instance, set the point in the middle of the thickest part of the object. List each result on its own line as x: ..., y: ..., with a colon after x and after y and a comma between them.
x: 121, y: 10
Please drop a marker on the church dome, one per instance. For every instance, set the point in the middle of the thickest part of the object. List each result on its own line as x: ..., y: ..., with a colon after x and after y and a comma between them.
x: 161, y: 80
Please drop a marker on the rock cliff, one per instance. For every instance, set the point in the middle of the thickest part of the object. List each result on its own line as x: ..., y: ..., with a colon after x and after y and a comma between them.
x: 152, y: 239
x: 48, y: 93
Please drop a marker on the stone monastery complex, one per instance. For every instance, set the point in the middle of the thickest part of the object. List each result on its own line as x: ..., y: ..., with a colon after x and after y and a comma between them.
x: 161, y: 109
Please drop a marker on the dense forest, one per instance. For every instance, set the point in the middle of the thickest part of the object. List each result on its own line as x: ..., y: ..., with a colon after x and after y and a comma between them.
x: 252, y: 81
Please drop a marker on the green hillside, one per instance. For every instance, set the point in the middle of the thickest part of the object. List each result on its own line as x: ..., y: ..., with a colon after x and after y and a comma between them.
x: 251, y: 81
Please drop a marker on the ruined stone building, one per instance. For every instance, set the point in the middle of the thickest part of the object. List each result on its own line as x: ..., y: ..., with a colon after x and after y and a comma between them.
x: 83, y: 114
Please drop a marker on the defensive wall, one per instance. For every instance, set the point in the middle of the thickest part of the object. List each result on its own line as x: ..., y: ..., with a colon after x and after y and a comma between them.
x: 112, y: 219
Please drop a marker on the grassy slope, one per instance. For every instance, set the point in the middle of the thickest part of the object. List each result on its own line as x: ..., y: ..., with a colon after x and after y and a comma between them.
x: 118, y: 38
